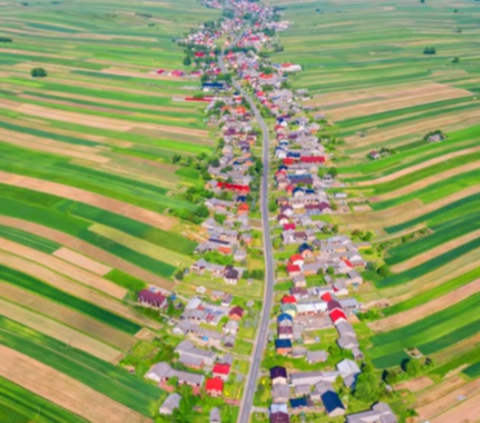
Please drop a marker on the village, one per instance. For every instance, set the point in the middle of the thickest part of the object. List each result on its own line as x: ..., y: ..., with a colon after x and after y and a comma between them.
x: 319, y: 268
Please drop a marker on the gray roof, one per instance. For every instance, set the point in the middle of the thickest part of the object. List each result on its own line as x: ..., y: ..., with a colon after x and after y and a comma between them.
x: 315, y: 356
x: 215, y: 415
x: 380, y: 413
x: 171, y: 403
x: 280, y: 392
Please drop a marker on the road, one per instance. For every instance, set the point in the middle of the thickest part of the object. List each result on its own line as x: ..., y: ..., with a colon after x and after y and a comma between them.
x: 262, y: 333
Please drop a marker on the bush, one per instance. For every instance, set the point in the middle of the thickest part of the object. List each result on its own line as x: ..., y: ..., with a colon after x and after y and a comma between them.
x: 430, y: 50
x: 38, y: 73
x: 5, y: 40
x: 384, y: 271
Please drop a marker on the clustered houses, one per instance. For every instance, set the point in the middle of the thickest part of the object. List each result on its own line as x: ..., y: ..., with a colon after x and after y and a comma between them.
x: 306, y: 309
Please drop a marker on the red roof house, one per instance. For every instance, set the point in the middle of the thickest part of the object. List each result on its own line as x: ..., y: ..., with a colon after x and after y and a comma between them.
x: 214, y: 387
x: 312, y: 159
x: 293, y: 269
x: 289, y: 226
x: 221, y: 370
x: 337, y: 316
x: 152, y: 299
x: 297, y: 259
x: 289, y: 299
x: 236, y: 313
x: 327, y: 297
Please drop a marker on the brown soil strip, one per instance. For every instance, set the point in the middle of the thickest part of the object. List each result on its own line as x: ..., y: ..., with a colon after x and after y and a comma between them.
x: 414, y: 385
x: 444, y: 402
x: 76, y: 194
x: 82, y: 261
x: 466, y: 411
x: 434, y: 306
x: 64, y: 390
x: 88, y: 250
x: 58, y: 331
x: 419, y: 166
x: 67, y: 285
x: 67, y: 316
x: 439, y: 390
x: 60, y: 266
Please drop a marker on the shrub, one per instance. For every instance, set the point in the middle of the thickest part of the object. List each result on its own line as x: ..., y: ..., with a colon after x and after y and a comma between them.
x: 38, y: 73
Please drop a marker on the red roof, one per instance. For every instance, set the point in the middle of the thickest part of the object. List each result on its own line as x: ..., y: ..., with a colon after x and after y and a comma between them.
x: 233, y: 187
x: 236, y: 311
x: 288, y: 161
x: 296, y: 257
x: 289, y: 299
x: 312, y: 159
x: 265, y: 76
x: 291, y: 268
x: 154, y: 298
x: 160, y: 71
x: 214, y: 384
x: 199, y: 54
x: 326, y: 297
x: 221, y: 369
x: 289, y: 226
x: 337, y: 314
x: 348, y: 263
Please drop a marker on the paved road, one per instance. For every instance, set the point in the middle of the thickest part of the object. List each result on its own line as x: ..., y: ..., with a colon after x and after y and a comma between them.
x: 262, y: 333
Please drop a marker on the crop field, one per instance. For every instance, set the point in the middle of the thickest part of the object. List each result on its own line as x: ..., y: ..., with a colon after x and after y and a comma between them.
x: 367, y: 72
x: 90, y: 192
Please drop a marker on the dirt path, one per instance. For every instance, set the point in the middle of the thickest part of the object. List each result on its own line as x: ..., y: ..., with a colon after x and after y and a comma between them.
x: 58, y: 331
x: 414, y: 385
x: 419, y: 166
x: 72, y: 318
x: 417, y: 313
x: 64, y: 390
x: 87, y: 249
x: 62, y: 267
x: 76, y: 194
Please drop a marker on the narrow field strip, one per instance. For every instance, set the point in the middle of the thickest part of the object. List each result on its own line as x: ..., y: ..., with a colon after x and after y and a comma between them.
x: 426, y: 309
x: 58, y: 331
x: 63, y: 390
x: 21, y: 272
x: 62, y: 267
x: 66, y: 316
x: 86, y: 249
x: 83, y: 262
x: 75, y: 194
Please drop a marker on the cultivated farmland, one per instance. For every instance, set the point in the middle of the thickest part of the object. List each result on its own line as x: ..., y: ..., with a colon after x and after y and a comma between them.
x: 382, y: 99
x: 95, y: 164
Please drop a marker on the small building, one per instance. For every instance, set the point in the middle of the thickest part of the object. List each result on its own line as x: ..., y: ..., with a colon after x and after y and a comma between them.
x: 280, y: 393
x: 214, y: 387
x: 152, y: 299
x: 215, y: 415
x: 278, y: 375
x: 283, y: 346
x: 374, y: 155
x: 170, y: 404
x: 221, y: 370
x: 236, y: 313
x: 279, y: 417
x: 333, y: 405
x: 317, y: 356
x: 380, y: 412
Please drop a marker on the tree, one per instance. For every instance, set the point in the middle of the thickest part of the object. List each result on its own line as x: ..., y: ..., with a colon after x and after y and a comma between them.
x: 202, y: 211
x: 272, y: 206
x: 187, y: 61
x: 179, y: 274
x: 384, y: 271
x: 367, y: 387
x: 333, y: 172
x: 456, y: 60
x: 176, y: 158
x: 391, y: 377
x: 38, y: 73
x: 330, y: 270
x: 413, y: 367
x: 429, y: 50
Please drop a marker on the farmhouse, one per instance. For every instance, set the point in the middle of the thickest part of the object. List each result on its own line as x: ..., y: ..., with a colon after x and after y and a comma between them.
x: 162, y: 372
x: 153, y: 299
x: 380, y: 412
x: 170, y: 404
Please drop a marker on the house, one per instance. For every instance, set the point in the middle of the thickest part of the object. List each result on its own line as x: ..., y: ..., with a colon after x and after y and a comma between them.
x: 236, y: 313
x: 279, y: 417
x: 214, y: 387
x: 285, y: 332
x: 149, y: 298
x: 297, y: 260
x: 221, y: 370
x: 284, y: 320
x: 278, y: 375
x: 283, y: 346
x: 337, y: 316
x: 300, y: 403
x: 293, y: 270
x: 349, y: 371
x: 380, y: 412
x: 332, y: 403
x: 231, y: 327
x: 317, y: 356
x: 231, y: 275
x: 320, y: 388
x: 229, y: 341
x: 289, y: 299
x: 280, y: 393
x: 170, y: 404
x: 215, y: 415
x: 282, y: 219
x: 162, y: 372
x: 189, y: 353
x: 374, y: 155
x: 302, y: 390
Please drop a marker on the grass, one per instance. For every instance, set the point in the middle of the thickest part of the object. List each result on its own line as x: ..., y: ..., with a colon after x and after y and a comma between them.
x: 125, y: 280
x: 28, y: 239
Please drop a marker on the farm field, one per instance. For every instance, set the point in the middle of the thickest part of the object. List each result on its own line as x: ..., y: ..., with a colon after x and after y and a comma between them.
x: 366, y: 71
x: 94, y: 168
